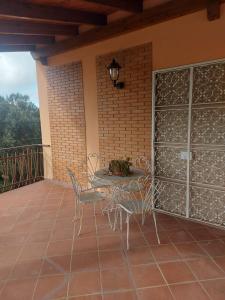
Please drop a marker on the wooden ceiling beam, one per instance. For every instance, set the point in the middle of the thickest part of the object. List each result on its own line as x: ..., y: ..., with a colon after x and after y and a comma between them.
x: 213, y: 9
x: 17, y: 48
x: 15, y: 9
x: 18, y: 39
x: 131, y: 5
x: 27, y: 27
x: 158, y: 14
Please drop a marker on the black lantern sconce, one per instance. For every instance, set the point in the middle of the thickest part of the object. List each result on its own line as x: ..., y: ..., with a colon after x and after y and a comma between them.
x: 114, y: 70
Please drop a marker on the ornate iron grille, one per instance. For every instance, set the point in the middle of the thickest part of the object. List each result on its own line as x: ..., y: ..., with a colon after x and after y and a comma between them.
x: 189, y: 140
x: 20, y: 166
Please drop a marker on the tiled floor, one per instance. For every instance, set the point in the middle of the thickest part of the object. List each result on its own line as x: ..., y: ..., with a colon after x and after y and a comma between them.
x: 42, y: 258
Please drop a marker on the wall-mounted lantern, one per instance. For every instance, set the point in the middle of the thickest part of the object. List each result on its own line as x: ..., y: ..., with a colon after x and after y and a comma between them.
x: 114, y: 70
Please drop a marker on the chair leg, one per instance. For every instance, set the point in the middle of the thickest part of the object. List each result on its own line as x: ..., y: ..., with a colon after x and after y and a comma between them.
x: 121, y: 220
x: 94, y: 208
x: 115, y: 218
x: 156, y: 228
x: 81, y: 221
x: 128, y: 230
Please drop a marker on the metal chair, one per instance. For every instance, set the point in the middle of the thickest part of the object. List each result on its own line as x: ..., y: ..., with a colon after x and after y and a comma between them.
x: 143, y: 163
x: 82, y: 197
x: 93, y: 165
x: 140, y: 202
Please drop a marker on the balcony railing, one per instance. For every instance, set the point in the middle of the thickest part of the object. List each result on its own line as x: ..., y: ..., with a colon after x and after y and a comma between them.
x: 20, y: 166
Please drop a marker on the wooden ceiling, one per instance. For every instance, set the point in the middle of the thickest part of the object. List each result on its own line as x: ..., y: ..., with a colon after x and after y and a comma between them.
x: 49, y: 27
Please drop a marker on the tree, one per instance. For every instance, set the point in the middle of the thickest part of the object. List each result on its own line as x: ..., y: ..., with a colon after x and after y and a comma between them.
x: 19, y: 121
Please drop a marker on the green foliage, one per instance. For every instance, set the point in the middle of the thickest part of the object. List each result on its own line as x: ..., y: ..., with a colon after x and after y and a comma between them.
x: 120, y: 167
x: 19, y: 121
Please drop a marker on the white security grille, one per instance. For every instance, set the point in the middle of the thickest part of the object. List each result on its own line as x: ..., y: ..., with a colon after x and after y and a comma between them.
x: 189, y: 140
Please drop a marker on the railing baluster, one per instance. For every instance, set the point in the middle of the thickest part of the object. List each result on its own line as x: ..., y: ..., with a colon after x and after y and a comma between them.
x: 20, y: 166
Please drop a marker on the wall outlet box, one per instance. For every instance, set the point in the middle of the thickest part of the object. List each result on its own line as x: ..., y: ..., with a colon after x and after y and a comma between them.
x: 184, y: 155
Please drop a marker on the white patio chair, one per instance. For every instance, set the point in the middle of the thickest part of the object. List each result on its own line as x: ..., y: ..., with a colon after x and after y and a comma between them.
x: 83, y: 197
x: 140, y: 202
x: 93, y: 165
x: 143, y: 163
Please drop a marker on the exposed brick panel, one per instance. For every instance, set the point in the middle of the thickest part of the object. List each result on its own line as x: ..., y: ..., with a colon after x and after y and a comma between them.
x: 125, y: 115
x: 67, y: 119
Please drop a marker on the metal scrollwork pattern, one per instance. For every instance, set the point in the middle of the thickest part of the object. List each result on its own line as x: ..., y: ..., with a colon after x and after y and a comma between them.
x: 168, y: 163
x: 172, y: 198
x: 172, y: 88
x: 208, y: 205
x: 209, y: 84
x: 208, y: 126
x: 208, y: 167
x: 171, y: 126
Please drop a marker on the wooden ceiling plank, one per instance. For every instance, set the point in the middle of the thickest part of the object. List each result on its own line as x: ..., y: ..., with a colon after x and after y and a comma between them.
x: 15, y: 9
x: 158, y: 14
x: 213, y: 10
x: 26, y: 27
x: 131, y: 5
x: 17, y: 48
x: 15, y: 39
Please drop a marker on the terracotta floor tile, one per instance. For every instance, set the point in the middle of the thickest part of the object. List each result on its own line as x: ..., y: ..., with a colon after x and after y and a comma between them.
x: 85, y: 244
x: 112, y: 259
x: 165, y: 253
x: 33, y: 251
x: 9, y: 254
x: 18, y: 289
x: 62, y: 234
x: 39, y: 236
x: 140, y: 255
x: 5, y: 271
x: 59, y: 248
x: 151, y: 237
x: 84, y: 283
x: 214, y: 248
x: 190, y: 250
x: 188, y: 291
x: 175, y: 272
x: 120, y: 296
x: 220, y: 261
x: 51, y: 287
x: 205, y: 268
x: 110, y: 242
x: 56, y: 265
x: 180, y: 236
x: 115, y: 279
x: 202, y: 234
x: 215, y: 288
x: 85, y: 261
x: 12, y: 239
x: 91, y: 297
x: 135, y: 240
x: 27, y: 268
x: 158, y: 293
x: 147, y: 276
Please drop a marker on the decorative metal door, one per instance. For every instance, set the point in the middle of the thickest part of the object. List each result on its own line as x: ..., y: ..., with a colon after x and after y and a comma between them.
x: 188, y: 138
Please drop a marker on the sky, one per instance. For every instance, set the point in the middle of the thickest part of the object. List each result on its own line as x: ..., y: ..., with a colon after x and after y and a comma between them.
x: 18, y: 75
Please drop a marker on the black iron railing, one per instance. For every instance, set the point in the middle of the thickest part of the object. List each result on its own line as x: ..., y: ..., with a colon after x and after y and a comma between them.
x: 21, y: 166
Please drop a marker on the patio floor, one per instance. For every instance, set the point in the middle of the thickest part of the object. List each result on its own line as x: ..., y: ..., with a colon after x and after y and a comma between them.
x: 41, y: 257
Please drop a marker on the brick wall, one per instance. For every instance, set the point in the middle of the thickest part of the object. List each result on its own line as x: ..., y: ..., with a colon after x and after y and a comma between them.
x: 67, y: 119
x: 125, y: 115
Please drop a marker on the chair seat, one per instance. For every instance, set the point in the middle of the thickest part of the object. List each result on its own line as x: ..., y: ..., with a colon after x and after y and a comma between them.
x: 135, y: 206
x: 133, y: 187
x: 87, y: 197
x: 100, y: 183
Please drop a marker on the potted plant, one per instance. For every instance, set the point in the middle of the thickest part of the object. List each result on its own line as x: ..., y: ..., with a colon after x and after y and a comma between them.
x: 119, y: 167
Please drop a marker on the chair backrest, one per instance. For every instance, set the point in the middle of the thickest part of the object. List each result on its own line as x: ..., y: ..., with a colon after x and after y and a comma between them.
x: 144, y: 164
x: 92, y: 163
x: 143, y: 190
x: 75, y: 183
